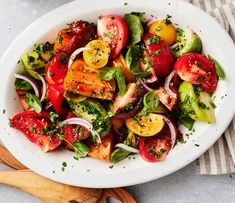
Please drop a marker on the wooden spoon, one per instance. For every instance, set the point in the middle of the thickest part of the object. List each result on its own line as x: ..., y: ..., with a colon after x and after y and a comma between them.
x: 50, y: 191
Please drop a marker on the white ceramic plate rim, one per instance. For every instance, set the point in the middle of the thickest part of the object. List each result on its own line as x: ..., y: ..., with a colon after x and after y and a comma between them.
x: 133, y: 174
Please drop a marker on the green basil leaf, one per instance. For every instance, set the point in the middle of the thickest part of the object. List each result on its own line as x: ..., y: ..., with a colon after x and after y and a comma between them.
x: 133, y: 56
x: 107, y: 73
x: 81, y: 149
x: 33, y: 102
x: 118, y: 155
x: 120, y: 81
x: 218, y: 68
x: 22, y: 84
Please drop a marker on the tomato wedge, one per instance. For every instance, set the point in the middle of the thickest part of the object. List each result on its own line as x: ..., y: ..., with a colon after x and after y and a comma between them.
x: 160, y: 54
x: 56, y: 96
x: 102, y: 150
x: 83, y: 80
x: 155, y: 149
x: 77, y: 35
x: 197, y: 69
x: 164, y: 97
x: 34, y: 126
x: 113, y: 29
x: 74, y: 133
x: 57, y: 69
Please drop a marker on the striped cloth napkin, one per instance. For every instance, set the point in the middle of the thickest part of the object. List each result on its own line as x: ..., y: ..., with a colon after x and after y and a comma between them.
x: 220, y: 158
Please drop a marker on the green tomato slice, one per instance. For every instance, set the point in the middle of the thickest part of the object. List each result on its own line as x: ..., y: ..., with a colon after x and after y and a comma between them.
x: 151, y: 100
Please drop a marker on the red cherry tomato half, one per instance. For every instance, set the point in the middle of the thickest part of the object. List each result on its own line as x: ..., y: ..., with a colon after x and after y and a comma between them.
x: 198, y: 70
x: 113, y: 29
x: 155, y: 149
x: 56, y: 96
x: 160, y: 55
x: 34, y: 126
x: 74, y: 133
x: 57, y: 69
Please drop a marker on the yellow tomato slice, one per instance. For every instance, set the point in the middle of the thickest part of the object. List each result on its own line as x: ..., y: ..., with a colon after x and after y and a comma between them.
x: 145, y: 126
x: 166, y: 31
x: 97, y: 55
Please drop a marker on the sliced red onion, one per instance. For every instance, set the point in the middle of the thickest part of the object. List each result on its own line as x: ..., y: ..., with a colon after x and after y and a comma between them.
x: 127, y: 148
x: 173, y: 129
x: 150, y: 21
x: 75, y: 53
x: 44, y: 85
x: 167, y: 84
x: 131, y: 113
x: 174, y: 45
x: 82, y: 122
x: 143, y: 84
x: 30, y: 81
x: 49, y: 104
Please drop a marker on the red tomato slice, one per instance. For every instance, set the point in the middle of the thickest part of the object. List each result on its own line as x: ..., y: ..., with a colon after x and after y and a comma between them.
x: 57, y: 69
x: 33, y: 124
x: 155, y: 149
x: 56, y: 96
x: 144, y: 65
x: 113, y: 29
x: 160, y: 55
x: 165, y: 98
x: 74, y: 133
x: 198, y: 70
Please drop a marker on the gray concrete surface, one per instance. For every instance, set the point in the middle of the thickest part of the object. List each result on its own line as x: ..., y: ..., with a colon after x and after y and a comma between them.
x: 182, y: 186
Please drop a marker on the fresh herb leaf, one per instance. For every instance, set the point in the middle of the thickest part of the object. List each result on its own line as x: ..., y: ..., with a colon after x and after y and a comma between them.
x: 168, y: 20
x: 110, y: 35
x: 111, y: 167
x: 153, y: 40
x: 60, y: 40
x: 64, y: 164
x: 218, y: 68
x: 133, y: 56
x: 107, y: 73
x: 120, y: 82
x: 54, y: 117
x: 22, y: 84
x: 33, y: 102
x: 81, y: 149
x: 139, y: 14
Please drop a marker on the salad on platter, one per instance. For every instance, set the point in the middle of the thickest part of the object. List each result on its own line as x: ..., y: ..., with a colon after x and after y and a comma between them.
x: 116, y: 88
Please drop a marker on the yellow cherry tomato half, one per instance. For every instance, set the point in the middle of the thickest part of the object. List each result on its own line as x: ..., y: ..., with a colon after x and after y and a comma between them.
x: 145, y: 126
x: 97, y: 54
x: 166, y: 31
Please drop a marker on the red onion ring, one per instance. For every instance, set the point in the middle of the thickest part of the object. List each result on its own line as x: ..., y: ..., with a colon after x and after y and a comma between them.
x: 150, y: 21
x: 82, y: 122
x: 49, y: 104
x: 143, y: 84
x: 173, y: 130
x: 44, y: 85
x: 167, y: 84
x: 127, y: 148
x: 30, y: 81
x: 131, y: 113
x: 74, y: 54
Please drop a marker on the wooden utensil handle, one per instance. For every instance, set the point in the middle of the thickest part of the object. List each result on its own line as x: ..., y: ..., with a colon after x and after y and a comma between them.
x: 9, y: 159
x: 118, y: 193
x: 47, y: 190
